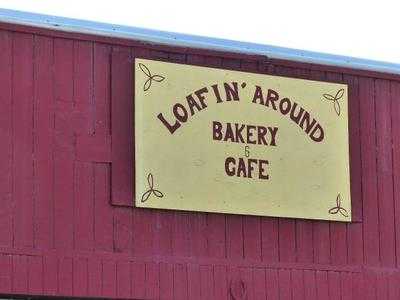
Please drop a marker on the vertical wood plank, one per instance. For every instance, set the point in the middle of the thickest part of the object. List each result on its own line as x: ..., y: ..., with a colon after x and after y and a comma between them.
x: 152, y: 281
x: 394, y: 286
x: 6, y: 134
x: 252, y: 237
x: 35, y: 275
x: 287, y: 240
x: 338, y: 243
x: 84, y: 172
x: 95, y: 270
x: 109, y: 278
x: 63, y: 204
x: 285, y: 284
x: 83, y: 87
x: 122, y: 230
x: 369, y: 180
x: 346, y: 285
x: 220, y: 282
x: 50, y: 275
x: 354, y: 145
x: 246, y: 274
x: 193, y: 281
x: 234, y: 236
x: 166, y: 281
x: 65, y: 276
x: 80, y: 277
x: 123, y: 279
x: 357, y: 286
x: 305, y: 240
x: 142, y: 232
x: 84, y: 206
x: 385, y: 173
x: 103, y: 214
x: 216, y: 235
x: 231, y: 63
x: 122, y: 147
x: 101, y: 88
x: 44, y: 158
x: 206, y: 282
x: 354, y: 230
x: 64, y: 144
x: 395, y: 114
x: 199, y: 235
x: 103, y: 218
x: 270, y: 239
x: 180, y: 282
x: 321, y: 279
x: 334, y: 286
x: 382, y: 287
x: 369, y: 288
x: 237, y: 289
x: 122, y: 127
x: 138, y: 271
x: 181, y: 234
x: 20, y: 274
x: 310, y: 287
x: 259, y: 277
x: 22, y: 115
x: 6, y: 273
x: 163, y: 230
x: 298, y: 285
x: 272, y: 284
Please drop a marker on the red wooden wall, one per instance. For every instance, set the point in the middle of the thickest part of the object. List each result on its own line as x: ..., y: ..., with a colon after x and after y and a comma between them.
x: 67, y: 226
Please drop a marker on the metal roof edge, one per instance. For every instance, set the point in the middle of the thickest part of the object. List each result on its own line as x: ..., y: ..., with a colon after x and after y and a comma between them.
x: 192, y: 41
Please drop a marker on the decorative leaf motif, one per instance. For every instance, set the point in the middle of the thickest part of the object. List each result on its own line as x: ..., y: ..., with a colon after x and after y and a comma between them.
x: 339, y: 94
x: 147, y: 84
x: 151, y: 78
x: 150, y: 180
x: 336, y: 105
x: 158, y: 78
x: 151, y: 191
x: 329, y: 97
x: 144, y: 69
x: 335, y: 99
x: 338, y: 208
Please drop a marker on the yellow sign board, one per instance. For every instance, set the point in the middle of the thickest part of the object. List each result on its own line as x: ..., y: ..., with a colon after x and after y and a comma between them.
x: 226, y: 141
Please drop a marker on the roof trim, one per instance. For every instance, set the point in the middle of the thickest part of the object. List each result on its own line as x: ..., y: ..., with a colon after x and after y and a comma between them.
x: 192, y: 41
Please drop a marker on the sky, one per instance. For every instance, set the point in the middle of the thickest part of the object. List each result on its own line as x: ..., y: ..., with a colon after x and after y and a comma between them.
x: 364, y: 29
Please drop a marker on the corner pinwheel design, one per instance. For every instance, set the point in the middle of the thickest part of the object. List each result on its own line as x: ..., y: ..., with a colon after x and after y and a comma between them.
x: 151, y: 190
x: 335, y: 99
x: 338, y: 208
x: 150, y: 77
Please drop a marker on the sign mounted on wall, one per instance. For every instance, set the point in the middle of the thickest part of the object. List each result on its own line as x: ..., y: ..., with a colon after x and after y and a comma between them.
x: 233, y: 142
